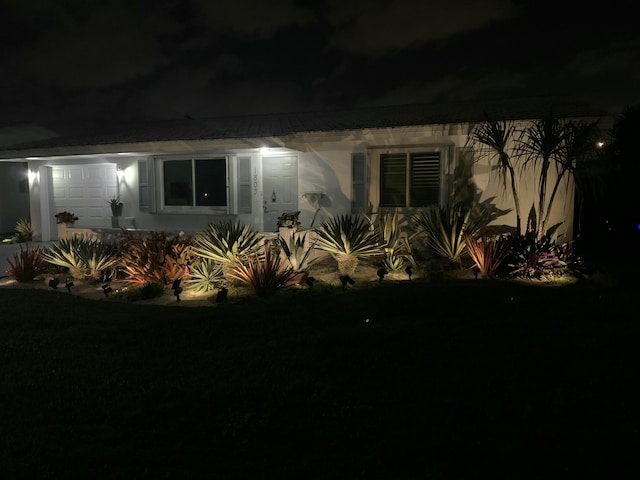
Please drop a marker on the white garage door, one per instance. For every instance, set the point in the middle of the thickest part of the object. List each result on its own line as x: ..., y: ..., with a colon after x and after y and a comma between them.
x: 84, y: 190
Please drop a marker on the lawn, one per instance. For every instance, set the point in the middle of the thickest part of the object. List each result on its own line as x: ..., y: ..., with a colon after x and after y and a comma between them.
x: 459, y: 379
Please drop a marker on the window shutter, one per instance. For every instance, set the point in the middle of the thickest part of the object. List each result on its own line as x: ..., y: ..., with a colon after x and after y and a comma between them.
x: 425, y: 179
x: 358, y: 183
x: 143, y: 185
x: 393, y: 179
x: 244, y: 184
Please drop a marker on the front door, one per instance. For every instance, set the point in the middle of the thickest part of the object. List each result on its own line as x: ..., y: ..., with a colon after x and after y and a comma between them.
x: 280, y: 189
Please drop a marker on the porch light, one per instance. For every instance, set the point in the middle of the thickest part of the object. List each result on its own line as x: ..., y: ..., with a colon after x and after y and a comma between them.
x: 120, y: 173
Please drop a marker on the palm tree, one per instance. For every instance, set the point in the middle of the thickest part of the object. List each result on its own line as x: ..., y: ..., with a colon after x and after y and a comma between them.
x: 541, y: 145
x: 495, y: 138
x: 578, y: 142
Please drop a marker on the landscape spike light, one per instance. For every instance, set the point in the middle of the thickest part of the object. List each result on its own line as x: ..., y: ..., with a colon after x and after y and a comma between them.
x: 381, y: 273
x: 309, y: 281
x: 408, y: 271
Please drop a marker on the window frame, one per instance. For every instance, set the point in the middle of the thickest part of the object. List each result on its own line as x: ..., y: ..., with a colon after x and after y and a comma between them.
x: 231, y: 204
x: 376, y: 154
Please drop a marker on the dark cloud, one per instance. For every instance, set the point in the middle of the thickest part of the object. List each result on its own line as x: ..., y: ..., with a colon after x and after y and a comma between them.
x: 381, y: 27
x: 117, y: 60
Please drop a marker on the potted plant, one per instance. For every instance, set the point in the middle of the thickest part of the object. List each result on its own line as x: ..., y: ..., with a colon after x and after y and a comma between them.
x: 116, y: 206
x: 67, y: 218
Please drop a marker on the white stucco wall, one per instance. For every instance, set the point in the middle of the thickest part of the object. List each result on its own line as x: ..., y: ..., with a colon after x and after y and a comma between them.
x: 324, y: 166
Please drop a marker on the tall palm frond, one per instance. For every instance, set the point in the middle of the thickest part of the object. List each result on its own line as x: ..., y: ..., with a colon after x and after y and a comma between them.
x: 495, y: 139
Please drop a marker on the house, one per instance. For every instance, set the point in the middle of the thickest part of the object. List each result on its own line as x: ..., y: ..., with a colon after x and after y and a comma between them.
x: 181, y: 175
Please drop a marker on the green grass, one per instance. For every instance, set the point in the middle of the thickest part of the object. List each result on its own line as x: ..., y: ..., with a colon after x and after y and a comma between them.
x: 452, y: 380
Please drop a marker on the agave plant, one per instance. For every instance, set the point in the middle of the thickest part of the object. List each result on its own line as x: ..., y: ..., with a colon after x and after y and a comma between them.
x: 26, y: 265
x: 84, y: 256
x: 228, y: 242
x: 204, y: 275
x: 296, y: 250
x: 397, y: 248
x: 444, y: 228
x: 24, y: 231
x: 265, y: 274
x: 348, y: 238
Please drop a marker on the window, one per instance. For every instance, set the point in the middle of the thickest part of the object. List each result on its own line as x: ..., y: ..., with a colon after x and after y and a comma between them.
x: 409, y: 179
x: 193, y: 184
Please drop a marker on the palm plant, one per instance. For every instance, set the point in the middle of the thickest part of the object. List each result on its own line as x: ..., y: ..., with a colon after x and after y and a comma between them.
x: 495, y: 139
x: 541, y: 145
x: 578, y: 142
x: 348, y: 238
x: 265, y: 274
x: 228, y: 243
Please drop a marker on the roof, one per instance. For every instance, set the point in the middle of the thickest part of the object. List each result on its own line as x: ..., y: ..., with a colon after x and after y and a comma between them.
x: 283, y: 124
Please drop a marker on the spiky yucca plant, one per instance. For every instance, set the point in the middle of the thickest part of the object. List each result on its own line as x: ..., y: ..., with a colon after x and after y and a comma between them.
x: 24, y: 231
x: 264, y: 274
x: 348, y: 238
x: 296, y: 251
x: 228, y: 242
x: 204, y: 275
x: 84, y: 256
x: 444, y: 228
x: 26, y: 265
x: 397, y: 248
x: 488, y: 251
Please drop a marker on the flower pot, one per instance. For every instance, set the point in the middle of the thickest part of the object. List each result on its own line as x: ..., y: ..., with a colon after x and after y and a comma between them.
x: 114, y: 222
x: 116, y: 210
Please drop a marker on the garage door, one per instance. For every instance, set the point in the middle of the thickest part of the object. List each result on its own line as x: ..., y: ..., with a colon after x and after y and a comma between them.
x: 84, y: 190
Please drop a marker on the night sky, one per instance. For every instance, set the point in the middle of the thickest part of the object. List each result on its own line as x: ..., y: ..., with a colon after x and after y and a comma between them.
x: 117, y: 60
